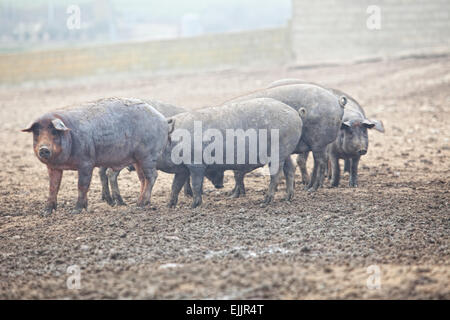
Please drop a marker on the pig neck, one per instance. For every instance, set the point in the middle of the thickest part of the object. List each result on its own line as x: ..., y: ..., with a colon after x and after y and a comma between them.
x: 338, y: 147
x: 63, y: 160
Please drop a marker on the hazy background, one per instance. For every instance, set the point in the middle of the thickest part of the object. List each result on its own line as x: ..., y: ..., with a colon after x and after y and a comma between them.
x: 137, y: 36
x: 42, y: 23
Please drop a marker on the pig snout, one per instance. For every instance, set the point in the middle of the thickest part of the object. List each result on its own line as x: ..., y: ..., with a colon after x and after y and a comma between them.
x: 44, y: 152
x: 362, y: 152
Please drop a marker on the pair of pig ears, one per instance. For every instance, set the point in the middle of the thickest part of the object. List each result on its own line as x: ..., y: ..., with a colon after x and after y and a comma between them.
x: 57, y: 123
x: 375, y: 124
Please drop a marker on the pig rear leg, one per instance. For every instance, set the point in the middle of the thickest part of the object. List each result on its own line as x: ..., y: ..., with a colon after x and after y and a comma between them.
x: 318, y: 170
x: 55, y: 177
x: 180, y: 179
x: 147, y: 174
x: 116, y: 197
x: 239, y: 187
x: 289, y: 173
x: 274, y: 179
x: 197, y: 176
x: 84, y: 180
x: 106, y: 195
x: 354, y: 172
x: 301, y: 162
x: 335, y: 172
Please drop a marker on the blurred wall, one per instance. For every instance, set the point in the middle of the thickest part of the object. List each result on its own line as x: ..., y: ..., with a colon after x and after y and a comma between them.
x: 197, y: 53
x: 337, y: 31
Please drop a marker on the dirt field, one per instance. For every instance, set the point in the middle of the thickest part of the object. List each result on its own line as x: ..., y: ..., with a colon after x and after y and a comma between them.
x: 318, y: 246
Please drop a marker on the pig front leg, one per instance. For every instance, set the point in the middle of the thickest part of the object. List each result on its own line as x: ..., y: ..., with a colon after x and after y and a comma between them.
x: 187, y: 188
x: 180, y: 179
x: 197, y: 176
x: 84, y: 180
x: 335, y: 171
x: 347, y: 165
x: 354, y: 172
x: 106, y: 195
x: 301, y: 162
x: 55, y: 177
x: 116, y: 197
x: 239, y: 187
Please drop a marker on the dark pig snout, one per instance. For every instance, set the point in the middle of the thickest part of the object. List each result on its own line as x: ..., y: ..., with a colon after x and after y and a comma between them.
x: 44, y: 152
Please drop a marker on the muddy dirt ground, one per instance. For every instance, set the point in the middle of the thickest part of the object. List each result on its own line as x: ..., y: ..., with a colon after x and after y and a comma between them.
x: 317, y: 246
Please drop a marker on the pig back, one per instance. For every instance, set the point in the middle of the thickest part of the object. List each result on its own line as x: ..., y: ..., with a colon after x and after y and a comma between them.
x: 114, y: 130
x: 256, y: 114
x: 323, y: 116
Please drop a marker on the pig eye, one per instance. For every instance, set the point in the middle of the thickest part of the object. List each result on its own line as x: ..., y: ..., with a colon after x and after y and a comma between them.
x: 55, y: 132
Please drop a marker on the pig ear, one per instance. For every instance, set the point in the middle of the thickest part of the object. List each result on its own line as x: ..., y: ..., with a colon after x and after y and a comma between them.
x: 171, y: 123
x: 342, y: 101
x: 345, y: 124
x: 59, y: 125
x: 377, y: 125
x: 30, y: 127
x: 368, y: 124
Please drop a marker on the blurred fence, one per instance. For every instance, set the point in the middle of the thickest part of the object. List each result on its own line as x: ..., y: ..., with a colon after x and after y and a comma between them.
x: 203, y: 52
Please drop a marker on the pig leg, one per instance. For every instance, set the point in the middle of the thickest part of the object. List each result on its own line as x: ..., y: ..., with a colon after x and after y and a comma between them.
x: 180, y: 179
x: 55, y: 177
x: 289, y: 173
x: 347, y: 165
x: 84, y: 180
x: 274, y: 179
x: 302, y: 157
x: 197, y: 175
x: 239, y: 187
x: 187, y: 188
x: 336, y: 171
x: 141, y: 177
x: 318, y: 170
x: 329, y: 169
x: 150, y: 174
x: 116, y: 197
x: 106, y: 195
x: 354, y: 172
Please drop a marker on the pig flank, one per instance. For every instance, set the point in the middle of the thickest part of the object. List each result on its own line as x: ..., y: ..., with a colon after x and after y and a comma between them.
x: 352, y: 141
x: 110, y: 177
x: 254, y: 114
x: 110, y: 132
x: 321, y: 121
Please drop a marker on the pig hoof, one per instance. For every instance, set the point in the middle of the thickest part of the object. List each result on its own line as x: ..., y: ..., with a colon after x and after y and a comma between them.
x: 76, y: 211
x: 196, y: 203
x: 142, y: 205
x: 46, y: 212
x: 311, y: 190
x: 289, y: 196
x: 234, y: 195
x: 172, y: 204
x: 120, y: 202
x: 108, y: 199
x: 268, y: 199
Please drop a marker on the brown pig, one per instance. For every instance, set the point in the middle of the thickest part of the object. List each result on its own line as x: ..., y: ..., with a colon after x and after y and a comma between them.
x: 111, y: 132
